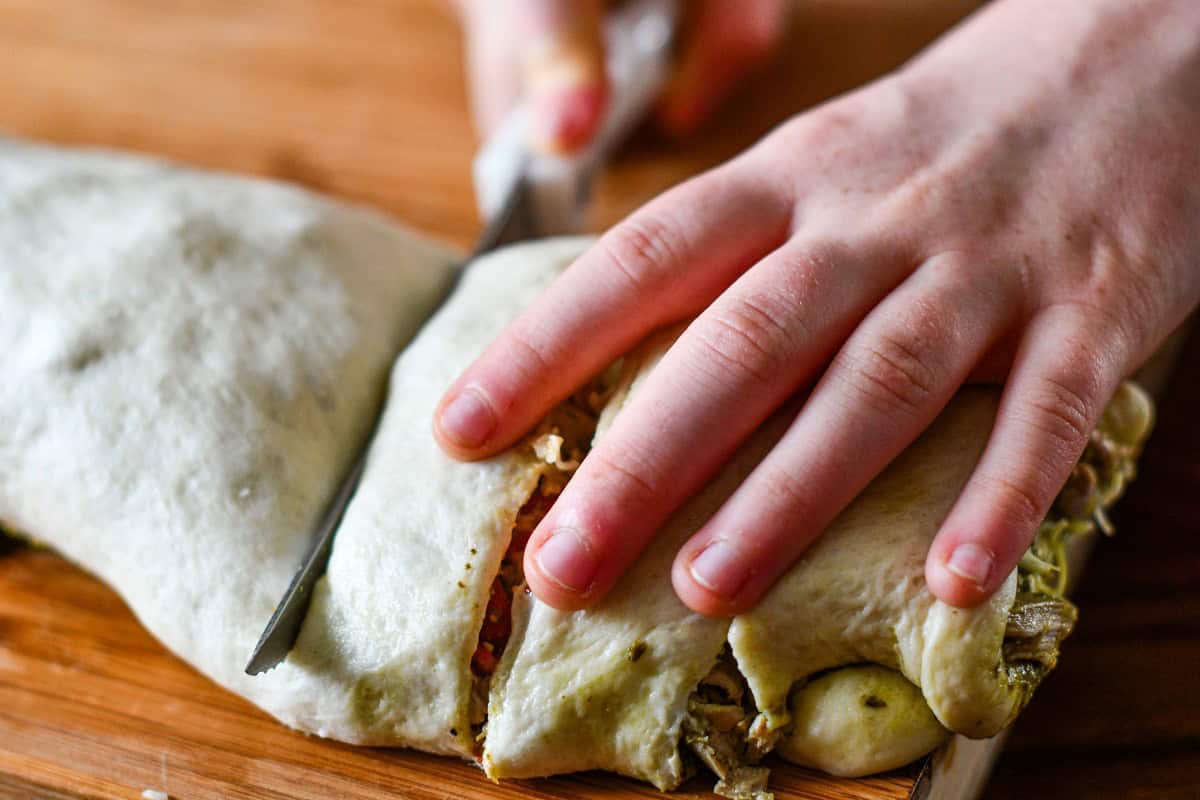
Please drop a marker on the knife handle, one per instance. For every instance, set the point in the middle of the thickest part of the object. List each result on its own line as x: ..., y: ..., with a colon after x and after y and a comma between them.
x: 638, y: 37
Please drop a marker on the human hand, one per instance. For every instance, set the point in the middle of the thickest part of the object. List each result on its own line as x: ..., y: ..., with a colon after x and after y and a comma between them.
x: 553, y: 50
x: 1021, y: 203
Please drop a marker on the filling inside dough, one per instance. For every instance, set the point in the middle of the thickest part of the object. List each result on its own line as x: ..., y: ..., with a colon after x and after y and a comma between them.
x: 1041, y: 617
x: 720, y: 729
x: 561, y: 441
x: 843, y: 721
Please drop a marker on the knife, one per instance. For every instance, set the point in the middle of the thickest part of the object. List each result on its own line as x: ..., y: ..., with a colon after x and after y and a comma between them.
x: 521, y: 195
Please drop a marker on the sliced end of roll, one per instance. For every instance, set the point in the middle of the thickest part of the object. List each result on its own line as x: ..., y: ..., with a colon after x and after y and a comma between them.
x: 859, y: 720
x: 1039, y: 617
x: 719, y: 729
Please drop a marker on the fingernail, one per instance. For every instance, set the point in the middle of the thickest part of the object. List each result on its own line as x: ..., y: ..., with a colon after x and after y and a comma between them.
x: 972, y: 563
x: 720, y: 569
x: 565, y: 117
x: 467, y: 420
x: 567, y: 560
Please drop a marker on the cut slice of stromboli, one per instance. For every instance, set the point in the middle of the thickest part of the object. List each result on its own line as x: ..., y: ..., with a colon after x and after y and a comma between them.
x: 560, y: 444
x: 191, y: 361
x: 398, y: 617
x: 614, y: 687
x: 859, y: 598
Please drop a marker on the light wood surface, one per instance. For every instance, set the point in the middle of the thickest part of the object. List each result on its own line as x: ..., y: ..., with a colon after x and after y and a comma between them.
x: 92, y: 707
x: 364, y: 99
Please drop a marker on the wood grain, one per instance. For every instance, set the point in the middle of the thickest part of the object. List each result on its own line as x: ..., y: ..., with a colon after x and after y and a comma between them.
x: 91, y: 706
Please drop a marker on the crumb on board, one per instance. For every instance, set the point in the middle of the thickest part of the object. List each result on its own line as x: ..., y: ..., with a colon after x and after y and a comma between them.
x: 154, y: 794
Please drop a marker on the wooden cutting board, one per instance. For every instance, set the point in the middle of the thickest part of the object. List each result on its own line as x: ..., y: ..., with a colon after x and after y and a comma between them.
x: 92, y: 707
x: 363, y: 99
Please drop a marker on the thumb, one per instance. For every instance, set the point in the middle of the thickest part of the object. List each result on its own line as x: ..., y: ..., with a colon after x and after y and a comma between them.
x: 563, y: 70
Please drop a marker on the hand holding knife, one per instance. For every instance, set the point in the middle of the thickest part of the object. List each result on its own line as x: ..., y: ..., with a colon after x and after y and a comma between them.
x: 521, y: 195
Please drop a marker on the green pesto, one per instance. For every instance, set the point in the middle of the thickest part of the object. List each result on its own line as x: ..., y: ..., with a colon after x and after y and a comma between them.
x: 1041, y: 617
x: 602, y: 702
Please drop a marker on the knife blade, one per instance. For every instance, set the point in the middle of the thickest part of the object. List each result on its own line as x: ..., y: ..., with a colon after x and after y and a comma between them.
x: 513, y: 222
x: 522, y: 196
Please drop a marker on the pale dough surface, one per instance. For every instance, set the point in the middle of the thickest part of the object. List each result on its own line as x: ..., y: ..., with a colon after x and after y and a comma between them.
x: 858, y: 595
x: 395, y: 620
x: 608, y: 688
x: 858, y: 720
x: 190, y: 361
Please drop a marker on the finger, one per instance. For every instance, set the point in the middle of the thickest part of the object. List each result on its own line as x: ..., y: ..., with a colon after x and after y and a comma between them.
x: 493, y: 66
x: 661, y: 265
x: 1064, y: 373
x: 563, y: 68
x: 886, y: 385
x: 729, y: 370
x: 722, y: 43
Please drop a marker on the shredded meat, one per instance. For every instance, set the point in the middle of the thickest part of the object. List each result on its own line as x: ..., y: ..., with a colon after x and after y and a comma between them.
x: 497, y: 620
x: 1041, y: 617
x: 1036, y: 627
x: 561, y: 442
x: 718, y: 729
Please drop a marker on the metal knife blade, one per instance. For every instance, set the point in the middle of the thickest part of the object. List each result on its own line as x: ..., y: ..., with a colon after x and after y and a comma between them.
x: 513, y: 222
x: 523, y: 197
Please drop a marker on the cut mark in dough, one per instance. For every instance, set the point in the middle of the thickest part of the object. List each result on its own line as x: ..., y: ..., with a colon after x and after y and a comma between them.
x: 561, y: 441
x: 719, y: 729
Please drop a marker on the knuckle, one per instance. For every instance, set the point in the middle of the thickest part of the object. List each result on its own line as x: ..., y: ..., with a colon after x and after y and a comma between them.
x: 641, y: 250
x: 1092, y: 322
x: 1063, y: 412
x: 806, y: 266
x: 1023, y: 504
x: 1124, y: 286
x: 745, y: 338
x: 893, y: 372
x: 620, y: 473
x: 1141, y: 302
x: 525, y: 356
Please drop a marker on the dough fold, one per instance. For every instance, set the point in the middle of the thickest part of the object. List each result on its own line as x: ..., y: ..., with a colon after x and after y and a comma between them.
x: 395, y: 620
x: 858, y: 595
x: 608, y: 688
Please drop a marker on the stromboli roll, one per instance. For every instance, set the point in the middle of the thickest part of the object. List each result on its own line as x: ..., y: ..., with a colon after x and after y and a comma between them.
x: 191, y: 361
